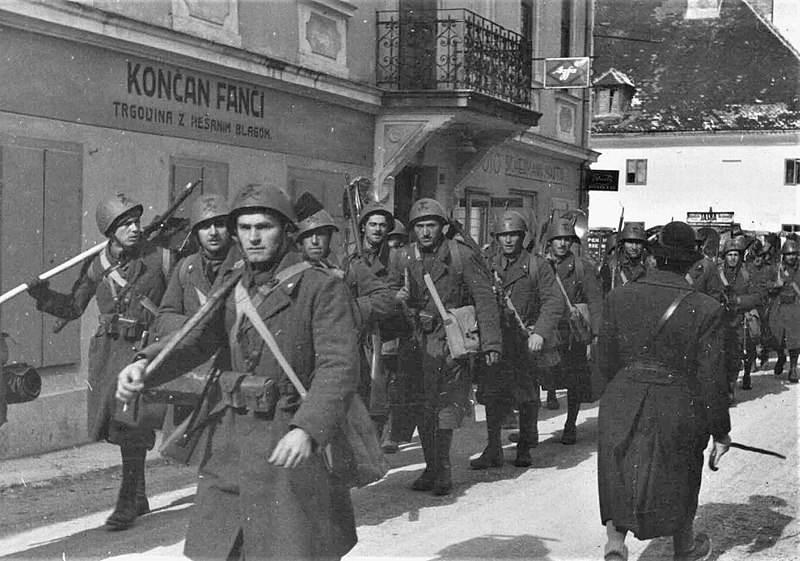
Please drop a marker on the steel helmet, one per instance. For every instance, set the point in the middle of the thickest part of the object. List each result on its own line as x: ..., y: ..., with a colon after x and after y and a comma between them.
x: 399, y: 230
x: 260, y: 197
x: 375, y: 208
x: 633, y: 231
x: 561, y: 228
x: 207, y: 207
x: 789, y: 246
x: 510, y: 221
x: 734, y: 244
x: 112, y: 207
x: 427, y: 208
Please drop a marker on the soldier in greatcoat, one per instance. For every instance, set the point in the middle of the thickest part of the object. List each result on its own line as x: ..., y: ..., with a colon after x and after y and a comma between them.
x: 784, y: 316
x: 374, y: 280
x: 702, y: 275
x: 128, y: 281
x: 762, y: 272
x: 459, y: 279
x: 193, y: 280
x: 264, y: 491
x: 628, y: 262
x: 529, y: 282
x: 739, y: 296
x: 578, y: 284
x: 666, y: 395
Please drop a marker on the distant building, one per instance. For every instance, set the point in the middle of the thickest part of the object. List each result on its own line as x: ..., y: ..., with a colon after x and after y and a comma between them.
x: 696, y: 105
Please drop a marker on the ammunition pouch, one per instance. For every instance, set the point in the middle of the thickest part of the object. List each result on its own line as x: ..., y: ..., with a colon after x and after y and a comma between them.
x: 244, y: 391
x: 427, y: 322
x: 116, y: 325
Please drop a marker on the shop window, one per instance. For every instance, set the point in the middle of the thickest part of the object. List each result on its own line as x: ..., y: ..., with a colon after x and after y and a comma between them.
x: 792, y: 172
x: 635, y: 172
x: 40, y: 228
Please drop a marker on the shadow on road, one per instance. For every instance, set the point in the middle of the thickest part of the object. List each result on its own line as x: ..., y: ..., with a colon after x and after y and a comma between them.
x: 497, y: 547
x: 392, y: 496
x: 764, y: 383
x: 757, y: 525
x: 163, y: 527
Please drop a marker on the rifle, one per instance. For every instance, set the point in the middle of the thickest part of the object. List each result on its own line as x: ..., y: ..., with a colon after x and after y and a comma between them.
x: 498, y: 286
x: 615, y: 268
x: 162, y: 221
x: 543, y: 233
x: 377, y: 373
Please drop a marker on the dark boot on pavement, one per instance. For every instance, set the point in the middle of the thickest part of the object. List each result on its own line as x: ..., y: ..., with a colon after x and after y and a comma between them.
x: 552, y: 400
x: 128, y: 504
x: 793, y: 366
x: 778, y: 370
x: 426, y: 437
x: 528, y: 432
x: 747, y: 384
x: 492, y: 455
x: 700, y: 550
x: 570, y: 434
x: 444, y: 481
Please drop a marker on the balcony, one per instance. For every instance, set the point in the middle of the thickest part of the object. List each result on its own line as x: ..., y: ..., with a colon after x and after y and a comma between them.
x: 429, y: 53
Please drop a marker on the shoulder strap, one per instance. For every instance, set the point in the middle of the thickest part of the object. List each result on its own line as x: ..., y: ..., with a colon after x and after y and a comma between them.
x: 455, y: 257
x: 722, y: 277
x: 564, y: 292
x: 669, y: 311
x: 435, y: 295
x: 110, y: 272
x: 579, y: 270
x: 533, y: 268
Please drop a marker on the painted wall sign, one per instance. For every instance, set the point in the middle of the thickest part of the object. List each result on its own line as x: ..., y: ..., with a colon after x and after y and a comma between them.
x: 525, y: 167
x: 56, y: 78
x: 603, y: 180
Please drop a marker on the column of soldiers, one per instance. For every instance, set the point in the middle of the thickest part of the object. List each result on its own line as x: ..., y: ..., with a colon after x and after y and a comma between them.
x: 365, y: 324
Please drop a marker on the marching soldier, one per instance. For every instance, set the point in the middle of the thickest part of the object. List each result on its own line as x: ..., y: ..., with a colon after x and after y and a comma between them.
x: 578, y: 284
x: 377, y: 307
x: 784, y: 316
x: 739, y: 296
x: 703, y: 274
x: 128, y: 282
x: 628, y: 262
x: 530, y: 296
x: 195, y: 275
x: 263, y: 490
x: 761, y: 272
x: 458, y: 278
x: 192, y: 280
x: 315, y: 228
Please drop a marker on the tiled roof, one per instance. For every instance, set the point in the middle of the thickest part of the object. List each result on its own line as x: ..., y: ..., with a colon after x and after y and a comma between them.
x: 613, y: 77
x: 726, y: 73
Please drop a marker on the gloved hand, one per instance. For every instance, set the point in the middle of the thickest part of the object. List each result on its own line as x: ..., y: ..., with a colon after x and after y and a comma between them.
x: 38, y: 288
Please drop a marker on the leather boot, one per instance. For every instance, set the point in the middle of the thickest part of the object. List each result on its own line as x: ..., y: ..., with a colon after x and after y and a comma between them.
x: 127, y: 508
x: 492, y: 455
x: 552, y: 400
x: 142, y: 504
x: 444, y: 481
x: 570, y: 434
x: 793, y: 366
x: 747, y: 384
x: 427, y: 439
x: 779, y: 364
x: 528, y: 432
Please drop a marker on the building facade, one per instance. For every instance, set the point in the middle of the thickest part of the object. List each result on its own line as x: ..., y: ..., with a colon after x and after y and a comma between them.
x: 696, y: 106
x: 145, y: 97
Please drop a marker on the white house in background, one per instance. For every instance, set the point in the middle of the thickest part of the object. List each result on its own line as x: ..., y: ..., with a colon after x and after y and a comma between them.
x: 696, y: 109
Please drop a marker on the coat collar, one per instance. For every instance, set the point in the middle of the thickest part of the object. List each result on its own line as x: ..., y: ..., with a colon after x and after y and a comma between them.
x: 277, y: 298
x: 517, y: 270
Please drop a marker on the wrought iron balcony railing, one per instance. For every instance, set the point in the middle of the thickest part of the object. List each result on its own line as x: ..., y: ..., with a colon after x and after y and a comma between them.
x: 453, y: 49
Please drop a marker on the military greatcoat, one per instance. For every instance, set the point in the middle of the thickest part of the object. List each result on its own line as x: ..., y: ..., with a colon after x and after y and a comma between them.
x: 530, y: 283
x: 784, y: 316
x: 666, y: 394
x: 582, y: 287
x: 740, y: 295
x: 124, y: 318
x: 446, y: 382
x: 624, y: 269
x: 298, y: 513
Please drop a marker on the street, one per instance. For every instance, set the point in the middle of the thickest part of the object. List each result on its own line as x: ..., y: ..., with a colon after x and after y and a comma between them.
x: 549, y: 511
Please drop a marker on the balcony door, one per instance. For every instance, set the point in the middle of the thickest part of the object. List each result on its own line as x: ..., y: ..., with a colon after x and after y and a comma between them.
x: 417, y: 49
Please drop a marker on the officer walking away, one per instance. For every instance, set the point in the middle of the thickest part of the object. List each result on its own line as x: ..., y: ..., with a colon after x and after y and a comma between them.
x: 194, y: 276
x: 739, y: 296
x: 659, y: 348
x: 529, y: 296
x: 784, y: 316
x: 628, y: 263
x: 459, y: 279
x: 264, y: 491
x: 128, y: 282
x: 579, y: 288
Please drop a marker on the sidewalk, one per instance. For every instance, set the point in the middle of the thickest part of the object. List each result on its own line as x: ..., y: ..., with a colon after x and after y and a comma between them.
x: 40, y: 469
